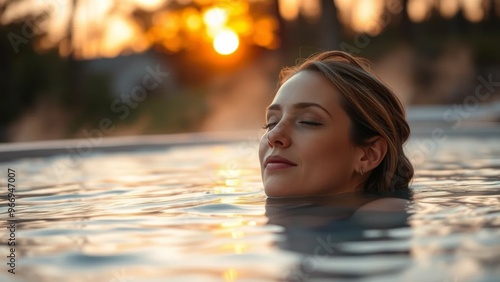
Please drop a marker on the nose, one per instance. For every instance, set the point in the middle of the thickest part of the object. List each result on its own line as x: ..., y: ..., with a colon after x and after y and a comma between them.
x: 279, y: 137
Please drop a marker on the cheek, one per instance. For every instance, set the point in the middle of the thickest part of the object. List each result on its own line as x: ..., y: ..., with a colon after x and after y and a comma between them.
x: 333, y: 153
x: 262, y: 148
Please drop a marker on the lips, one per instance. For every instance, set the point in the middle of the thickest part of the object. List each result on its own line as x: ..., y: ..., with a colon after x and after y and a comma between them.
x: 278, y: 162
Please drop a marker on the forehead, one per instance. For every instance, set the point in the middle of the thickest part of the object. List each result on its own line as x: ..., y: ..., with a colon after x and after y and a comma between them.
x: 307, y: 86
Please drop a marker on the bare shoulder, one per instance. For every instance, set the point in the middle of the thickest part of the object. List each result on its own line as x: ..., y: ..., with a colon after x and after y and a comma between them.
x: 385, y: 205
x: 382, y: 213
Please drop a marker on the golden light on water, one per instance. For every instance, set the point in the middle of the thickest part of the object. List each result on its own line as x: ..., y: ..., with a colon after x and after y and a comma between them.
x: 236, y: 247
x: 230, y: 275
x: 236, y: 234
x: 232, y: 182
x: 231, y: 224
x: 227, y: 180
x: 225, y: 190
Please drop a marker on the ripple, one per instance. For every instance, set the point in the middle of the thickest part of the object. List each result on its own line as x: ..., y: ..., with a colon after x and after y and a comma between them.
x: 198, y: 213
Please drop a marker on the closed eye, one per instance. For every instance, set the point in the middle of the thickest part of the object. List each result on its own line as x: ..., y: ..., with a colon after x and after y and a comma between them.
x: 311, y: 123
x: 269, y: 125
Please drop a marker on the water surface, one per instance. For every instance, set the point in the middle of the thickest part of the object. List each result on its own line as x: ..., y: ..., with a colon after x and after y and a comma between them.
x: 198, y: 213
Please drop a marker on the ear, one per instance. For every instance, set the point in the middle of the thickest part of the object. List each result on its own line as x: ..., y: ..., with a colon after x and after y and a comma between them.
x: 373, y: 154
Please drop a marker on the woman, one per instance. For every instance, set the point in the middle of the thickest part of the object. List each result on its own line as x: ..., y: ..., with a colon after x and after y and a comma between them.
x: 332, y: 128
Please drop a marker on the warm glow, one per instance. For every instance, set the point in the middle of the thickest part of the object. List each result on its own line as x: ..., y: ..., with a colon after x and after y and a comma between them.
x: 102, y: 28
x: 243, y: 25
x: 263, y: 38
x: 119, y: 34
x: 311, y: 9
x: 264, y: 32
x: 215, y: 17
x: 230, y: 224
x: 226, y: 42
x: 236, y: 234
x: 227, y: 180
x: 289, y: 9
x: 236, y: 247
x: 345, y: 11
x: 366, y: 14
x: 230, y: 275
x: 473, y: 10
x: 232, y: 182
x: 191, y: 19
x: 225, y: 190
x: 229, y: 174
x: 418, y: 9
x: 89, y: 33
x: 149, y: 5
x: 448, y: 8
x: 343, y: 5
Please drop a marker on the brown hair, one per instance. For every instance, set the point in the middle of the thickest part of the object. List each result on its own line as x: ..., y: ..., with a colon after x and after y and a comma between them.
x: 374, y: 110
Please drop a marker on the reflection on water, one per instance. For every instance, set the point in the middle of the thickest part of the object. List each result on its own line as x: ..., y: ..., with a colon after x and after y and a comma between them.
x: 198, y: 213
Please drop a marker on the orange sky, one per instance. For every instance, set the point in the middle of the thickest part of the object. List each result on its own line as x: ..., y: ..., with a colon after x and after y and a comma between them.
x: 104, y: 29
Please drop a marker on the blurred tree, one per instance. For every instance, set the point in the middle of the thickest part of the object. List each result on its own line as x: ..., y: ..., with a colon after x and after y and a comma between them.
x: 24, y: 74
x: 30, y: 73
x: 33, y: 68
x: 330, y: 28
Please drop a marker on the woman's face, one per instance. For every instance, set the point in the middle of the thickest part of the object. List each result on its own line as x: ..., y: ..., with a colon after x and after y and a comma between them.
x: 307, y: 150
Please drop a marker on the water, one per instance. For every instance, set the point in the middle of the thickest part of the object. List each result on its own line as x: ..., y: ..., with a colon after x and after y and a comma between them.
x: 198, y: 213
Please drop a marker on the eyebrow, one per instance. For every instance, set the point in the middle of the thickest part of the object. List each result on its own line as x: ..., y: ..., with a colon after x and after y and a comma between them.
x: 298, y: 106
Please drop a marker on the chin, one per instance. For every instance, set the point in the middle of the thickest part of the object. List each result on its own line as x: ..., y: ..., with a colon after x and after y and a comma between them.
x: 272, y: 191
x: 277, y: 191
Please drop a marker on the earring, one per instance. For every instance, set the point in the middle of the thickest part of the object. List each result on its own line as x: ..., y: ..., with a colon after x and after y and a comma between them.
x: 361, y: 172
